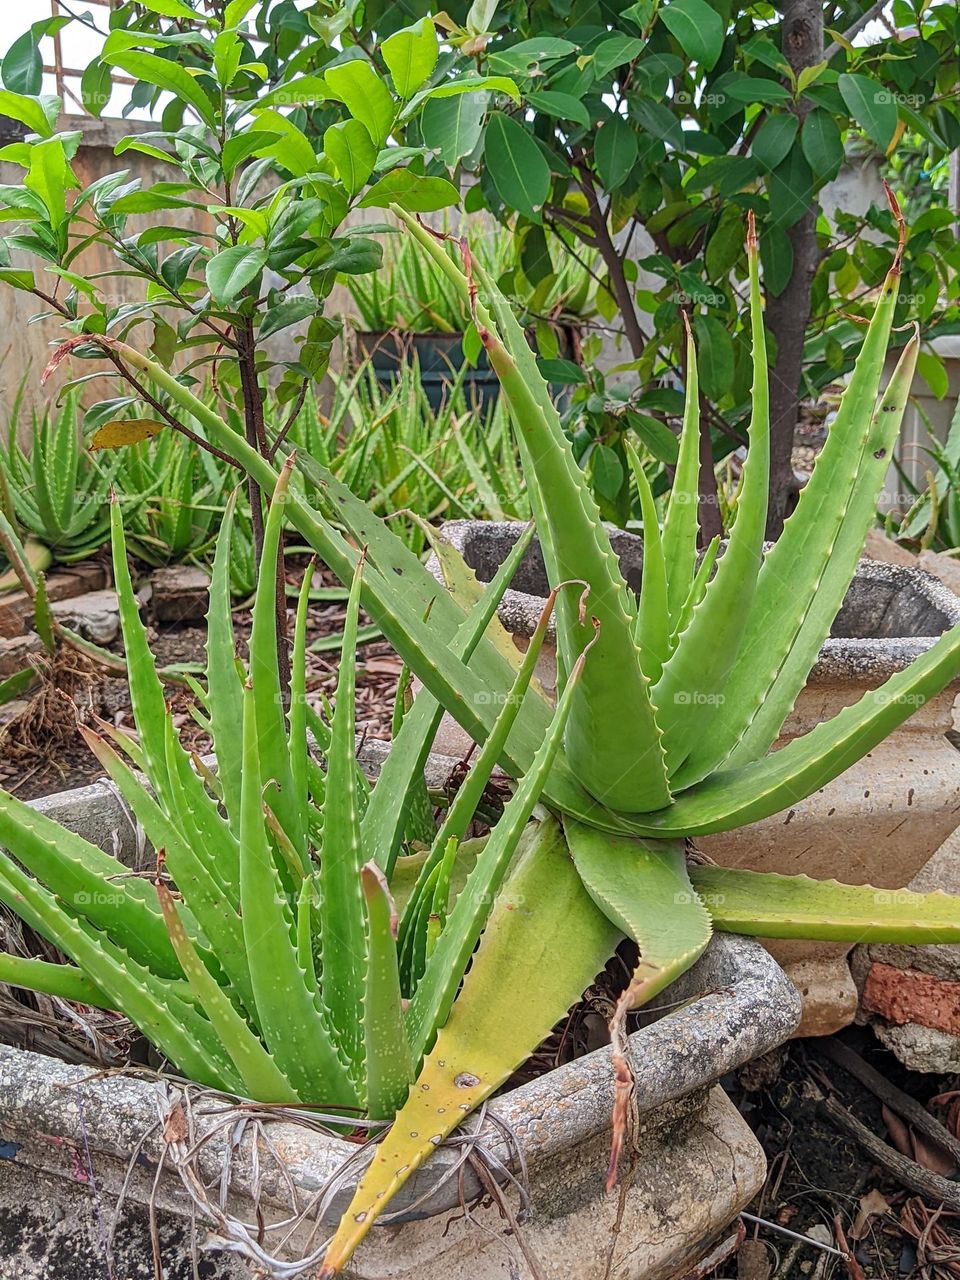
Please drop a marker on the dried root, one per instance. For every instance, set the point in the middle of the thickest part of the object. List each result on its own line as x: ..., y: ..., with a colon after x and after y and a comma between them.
x: 63, y: 700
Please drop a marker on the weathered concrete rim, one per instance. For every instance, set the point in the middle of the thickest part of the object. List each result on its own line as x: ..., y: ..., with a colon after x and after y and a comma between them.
x: 747, y: 1006
x: 867, y: 660
x: 741, y: 1005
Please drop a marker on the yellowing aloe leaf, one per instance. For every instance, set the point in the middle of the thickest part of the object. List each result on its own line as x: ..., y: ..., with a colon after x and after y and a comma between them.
x: 545, y: 938
x: 774, y: 906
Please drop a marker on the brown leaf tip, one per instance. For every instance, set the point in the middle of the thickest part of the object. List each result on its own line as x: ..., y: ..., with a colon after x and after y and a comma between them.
x: 901, y: 222
x: 751, y: 232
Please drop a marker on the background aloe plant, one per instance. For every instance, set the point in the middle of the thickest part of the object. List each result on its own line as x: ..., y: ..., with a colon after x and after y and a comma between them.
x: 53, y: 488
x: 697, y: 676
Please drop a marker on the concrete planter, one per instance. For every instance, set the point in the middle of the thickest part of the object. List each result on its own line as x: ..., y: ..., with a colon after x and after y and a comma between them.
x: 878, y: 823
x: 72, y: 1140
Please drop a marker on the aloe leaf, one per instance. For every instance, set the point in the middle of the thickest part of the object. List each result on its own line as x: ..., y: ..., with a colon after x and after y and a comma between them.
x: 435, y: 994
x: 776, y: 906
x: 224, y: 685
x: 262, y: 1079
x: 418, y: 823
x: 90, y: 883
x: 16, y: 686
x: 342, y: 925
x: 467, y: 590
x: 287, y: 1011
x: 805, y: 575
x: 146, y: 691
x: 652, y: 627
x: 644, y: 889
x: 297, y: 715
x: 63, y: 980
x: 464, y: 806
x: 733, y: 797
x: 186, y: 861
x: 197, y: 816
x: 42, y: 617
x: 388, y: 1065
x: 383, y: 823
x: 680, y: 527
x: 628, y: 773
x: 545, y: 937
x: 841, y: 562
x: 408, y: 869
x: 268, y: 696
x: 688, y: 694
x: 153, y: 1003
x: 697, y: 588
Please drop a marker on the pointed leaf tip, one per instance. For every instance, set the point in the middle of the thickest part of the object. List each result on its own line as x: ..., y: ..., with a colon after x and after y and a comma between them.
x: 751, y: 232
x: 901, y: 222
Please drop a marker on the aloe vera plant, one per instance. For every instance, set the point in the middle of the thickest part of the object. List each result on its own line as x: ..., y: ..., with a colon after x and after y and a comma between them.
x: 391, y: 448
x: 667, y: 725
x: 53, y: 488
x: 183, y: 494
x: 264, y: 959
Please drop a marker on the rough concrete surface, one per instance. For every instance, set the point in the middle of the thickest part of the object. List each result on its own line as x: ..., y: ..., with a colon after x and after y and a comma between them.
x: 697, y: 1161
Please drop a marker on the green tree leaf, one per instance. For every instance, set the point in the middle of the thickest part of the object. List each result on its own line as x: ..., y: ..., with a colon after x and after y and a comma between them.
x: 933, y: 371
x: 232, y: 270
x: 790, y: 188
x: 607, y: 471
x: 872, y: 106
x: 96, y: 86
x: 822, y: 144
x: 170, y: 8
x: 290, y: 311
x: 698, y: 29
x: 353, y: 151
x: 364, y: 95
x: 22, y: 66
x: 517, y: 166
x: 562, y: 106
x: 614, y: 52
x: 411, y: 55
x: 714, y: 356
x: 616, y: 152
x: 168, y: 75
x: 774, y: 139
x: 776, y: 258
x: 411, y: 191
x: 725, y: 244
x: 29, y: 111
x: 454, y: 126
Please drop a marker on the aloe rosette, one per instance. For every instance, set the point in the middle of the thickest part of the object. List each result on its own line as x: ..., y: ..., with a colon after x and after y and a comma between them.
x: 697, y: 675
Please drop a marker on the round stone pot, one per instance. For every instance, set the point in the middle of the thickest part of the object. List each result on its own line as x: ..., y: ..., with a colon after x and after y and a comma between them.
x: 880, y: 821
x: 74, y: 1141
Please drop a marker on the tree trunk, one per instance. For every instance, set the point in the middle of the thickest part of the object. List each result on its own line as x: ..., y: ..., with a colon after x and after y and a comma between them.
x: 788, y: 315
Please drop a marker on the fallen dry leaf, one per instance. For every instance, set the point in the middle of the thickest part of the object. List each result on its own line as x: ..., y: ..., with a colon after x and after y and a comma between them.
x: 175, y: 1126
x: 873, y: 1205
x: 854, y: 1269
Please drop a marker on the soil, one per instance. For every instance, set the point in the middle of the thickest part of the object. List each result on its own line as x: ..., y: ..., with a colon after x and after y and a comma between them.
x: 67, y: 763
x: 818, y: 1176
